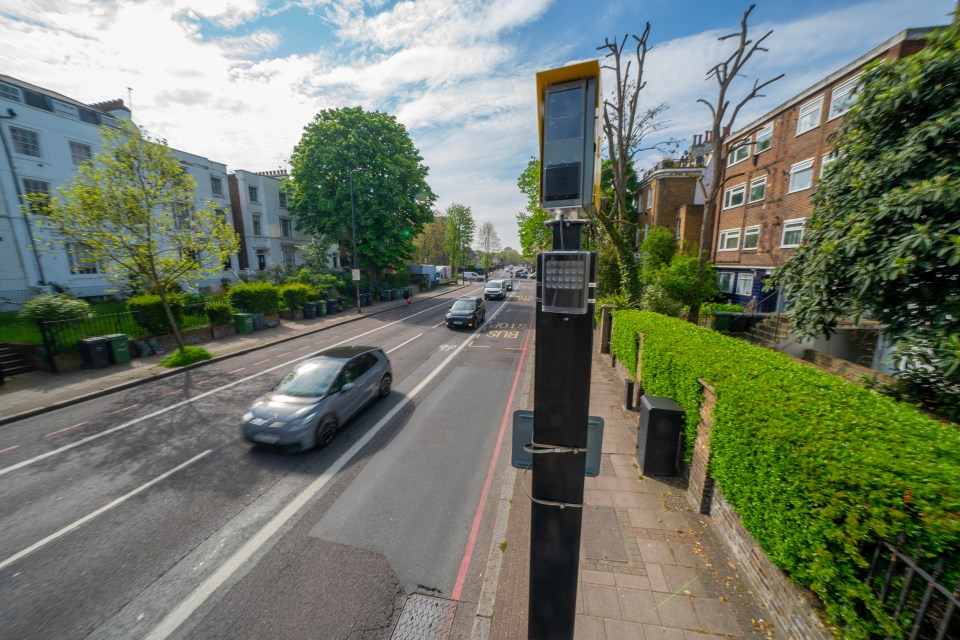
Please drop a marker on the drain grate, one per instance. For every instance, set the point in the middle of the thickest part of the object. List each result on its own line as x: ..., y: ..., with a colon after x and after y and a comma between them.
x: 425, y: 618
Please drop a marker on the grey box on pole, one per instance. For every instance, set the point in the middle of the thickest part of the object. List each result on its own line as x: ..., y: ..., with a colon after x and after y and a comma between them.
x: 658, y: 436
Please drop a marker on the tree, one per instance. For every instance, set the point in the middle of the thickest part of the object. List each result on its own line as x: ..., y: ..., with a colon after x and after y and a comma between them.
x: 625, y: 126
x: 430, y: 242
x: 883, y: 239
x: 656, y: 251
x: 131, y: 210
x: 316, y: 254
x: 723, y: 118
x: 511, y: 256
x: 488, y: 243
x: 459, y: 235
x: 390, y: 197
x: 534, y: 236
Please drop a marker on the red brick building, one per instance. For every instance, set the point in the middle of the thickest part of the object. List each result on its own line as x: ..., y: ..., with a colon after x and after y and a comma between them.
x: 773, y: 168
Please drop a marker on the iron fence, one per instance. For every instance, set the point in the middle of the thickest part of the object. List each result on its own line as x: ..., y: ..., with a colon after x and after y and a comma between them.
x: 62, y: 335
x: 912, y: 593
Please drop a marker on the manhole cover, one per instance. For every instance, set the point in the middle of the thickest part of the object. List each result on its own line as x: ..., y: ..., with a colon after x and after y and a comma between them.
x: 425, y: 618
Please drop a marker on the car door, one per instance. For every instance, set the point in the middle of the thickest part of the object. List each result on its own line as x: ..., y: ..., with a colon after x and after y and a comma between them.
x: 351, y: 398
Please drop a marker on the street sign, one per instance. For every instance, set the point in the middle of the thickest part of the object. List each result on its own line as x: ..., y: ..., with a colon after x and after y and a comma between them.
x: 356, y: 275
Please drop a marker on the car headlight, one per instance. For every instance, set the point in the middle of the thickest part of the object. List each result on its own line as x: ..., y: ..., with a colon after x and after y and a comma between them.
x: 277, y: 424
x: 302, y: 421
x: 247, y: 417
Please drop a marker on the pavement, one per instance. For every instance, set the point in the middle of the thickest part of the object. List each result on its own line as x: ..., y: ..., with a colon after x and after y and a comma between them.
x: 650, y: 567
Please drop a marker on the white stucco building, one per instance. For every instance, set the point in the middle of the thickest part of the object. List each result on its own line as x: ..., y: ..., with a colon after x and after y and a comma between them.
x: 268, y: 233
x: 45, y: 136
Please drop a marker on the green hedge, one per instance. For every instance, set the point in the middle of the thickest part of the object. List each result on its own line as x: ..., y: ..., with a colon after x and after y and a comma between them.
x: 814, y: 465
x: 295, y: 294
x: 254, y: 297
x: 151, y: 315
x: 218, y: 311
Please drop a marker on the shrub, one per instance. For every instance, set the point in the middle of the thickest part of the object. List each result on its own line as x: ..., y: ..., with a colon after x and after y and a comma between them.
x: 712, y: 307
x: 54, y: 307
x: 816, y: 467
x: 295, y: 294
x: 151, y: 315
x: 254, y: 297
x: 655, y: 298
x: 188, y: 355
x: 218, y: 311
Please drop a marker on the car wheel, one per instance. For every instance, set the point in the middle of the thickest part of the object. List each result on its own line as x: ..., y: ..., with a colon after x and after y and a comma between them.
x: 326, y: 431
x: 385, y: 385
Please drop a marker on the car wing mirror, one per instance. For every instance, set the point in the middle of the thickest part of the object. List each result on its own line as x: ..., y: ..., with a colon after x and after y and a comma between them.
x: 347, y: 387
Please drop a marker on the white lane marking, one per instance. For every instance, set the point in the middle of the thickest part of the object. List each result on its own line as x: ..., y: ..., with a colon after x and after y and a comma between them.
x: 130, y: 423
x: 87, y: 518
x: 405, y: 343
x: 198, y: 596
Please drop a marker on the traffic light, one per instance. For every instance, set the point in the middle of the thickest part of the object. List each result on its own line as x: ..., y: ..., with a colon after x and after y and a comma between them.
x: 568, y: 103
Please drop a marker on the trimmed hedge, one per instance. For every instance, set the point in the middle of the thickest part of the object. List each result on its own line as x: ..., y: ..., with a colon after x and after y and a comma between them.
x: 151, y: 314
x: 219, y: 311
x: 295, y: 294
x: 815, y: 466
x: 254, y: 297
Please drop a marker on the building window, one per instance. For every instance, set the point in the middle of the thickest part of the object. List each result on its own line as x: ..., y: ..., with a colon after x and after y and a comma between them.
x: 739, y: 151
x: 66, y: 109
x: 758, y: 189
x: 826, y: 160
x: 729, y: 240
x: 679, y: 222
x: 40, y: 187
x: 751, y: 237
x: 801, y: 176
x: 744, y: 284
x: 289, y: 255
x: 80, y: 261
x: 257, y: 227
x: 810, y: 115
x: 734, y: 197
x: 792, y: 233
x: 286, y: 227
x: 254, y: 194
x: 216, y: 186
x: 80, y: 153
x: 261, y: 261
x: 9, y: 92
x: 283, y: 200
x: 26, y: 143
x: 843, y: 97
x: 725, y: 281
x: 764, y: 139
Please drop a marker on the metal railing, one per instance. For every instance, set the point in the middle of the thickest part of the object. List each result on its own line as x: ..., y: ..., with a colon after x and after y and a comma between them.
x: 62, y: 335
x: 918, y: 606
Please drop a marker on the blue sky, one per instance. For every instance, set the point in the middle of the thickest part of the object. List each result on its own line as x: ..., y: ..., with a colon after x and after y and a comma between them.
x: 236, y: 80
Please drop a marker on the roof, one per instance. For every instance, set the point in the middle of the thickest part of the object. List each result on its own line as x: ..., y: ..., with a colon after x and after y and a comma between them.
x: 345, y: 352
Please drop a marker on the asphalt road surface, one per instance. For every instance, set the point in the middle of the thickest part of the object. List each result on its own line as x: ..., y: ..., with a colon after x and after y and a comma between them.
x: 144, y: 514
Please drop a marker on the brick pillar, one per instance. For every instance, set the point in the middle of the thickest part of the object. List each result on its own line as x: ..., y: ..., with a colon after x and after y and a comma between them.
x: 606, y: 327
x: 700, y: 486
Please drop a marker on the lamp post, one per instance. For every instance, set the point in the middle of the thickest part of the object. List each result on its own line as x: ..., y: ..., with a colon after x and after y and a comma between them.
x: 355, y: 263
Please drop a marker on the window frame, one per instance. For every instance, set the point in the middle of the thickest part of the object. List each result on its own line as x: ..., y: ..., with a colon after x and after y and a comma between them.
x: 725, y: 236
x: 14, y: 132
x: 793, y: 224
x: 253, y: 194
x: 16, y: 95
x: 744, y: 144
x: 256, y: 222
x: 74, y: 146
x: 751, y: 231
x: 798, y: 168
x: 728, y: 195
x: 723, y: 276
x: 769, y: 138
x: 743, y: 277
x: 809, y: 108
x: 843, y: 90
x: 286, y: 227
x: 76, y: 266
x: 826, y: 160
x: 763, y: 181
x: 217, y: 190
x: 282, y: 197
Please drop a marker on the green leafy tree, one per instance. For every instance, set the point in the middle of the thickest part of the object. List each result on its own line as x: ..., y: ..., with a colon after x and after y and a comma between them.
x: 391, y: 198
x: 685, y: 281
x: 131, y: 210
x: 316, y: 254
x: 656, y: 251
x: 883, y: 239
x: 511, y: 256
x: 459, y: 235
x: 488, y: 243
x: 534, y: 236
x: 430, y: 242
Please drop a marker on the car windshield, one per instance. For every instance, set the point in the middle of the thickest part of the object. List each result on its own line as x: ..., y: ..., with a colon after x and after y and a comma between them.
x: 464, y: 305
x: 493, y: 284
x: 310, y: 379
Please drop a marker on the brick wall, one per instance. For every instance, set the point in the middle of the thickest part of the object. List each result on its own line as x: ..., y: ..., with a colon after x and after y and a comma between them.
x: 845, y: 369
x: 700, y: 485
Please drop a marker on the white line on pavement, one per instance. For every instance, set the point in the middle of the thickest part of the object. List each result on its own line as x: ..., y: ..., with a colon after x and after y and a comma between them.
x: 87, y: 518
x: 130, y: 423
x: 405, y: 343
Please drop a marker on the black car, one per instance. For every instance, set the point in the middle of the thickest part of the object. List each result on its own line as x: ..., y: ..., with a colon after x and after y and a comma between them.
x: 466, y: 312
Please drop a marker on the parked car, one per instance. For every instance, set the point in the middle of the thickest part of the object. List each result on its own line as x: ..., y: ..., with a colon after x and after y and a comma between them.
x: 521, y: 273
x: 468, y: 311
x: 495, y: 289
x: 470, y: 276
x: 508, y: 283
x: 317, y: 398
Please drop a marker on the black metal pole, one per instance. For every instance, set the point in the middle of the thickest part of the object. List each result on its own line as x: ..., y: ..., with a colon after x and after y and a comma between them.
x: 561, y: 405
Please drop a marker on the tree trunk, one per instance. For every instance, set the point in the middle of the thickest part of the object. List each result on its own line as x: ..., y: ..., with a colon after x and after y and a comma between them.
x: 162, y: 292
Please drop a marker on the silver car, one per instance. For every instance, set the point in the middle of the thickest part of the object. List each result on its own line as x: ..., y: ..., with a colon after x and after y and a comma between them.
x: 315, y: 399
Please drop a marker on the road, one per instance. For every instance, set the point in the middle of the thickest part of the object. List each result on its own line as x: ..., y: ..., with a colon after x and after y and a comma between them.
x: 144, y: 514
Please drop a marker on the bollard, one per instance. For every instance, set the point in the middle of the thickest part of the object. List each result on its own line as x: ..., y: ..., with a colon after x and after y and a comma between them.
x: 628, y: 394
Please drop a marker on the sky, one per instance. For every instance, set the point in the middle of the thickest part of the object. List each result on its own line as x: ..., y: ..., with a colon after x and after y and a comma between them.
x: 237, y: 80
